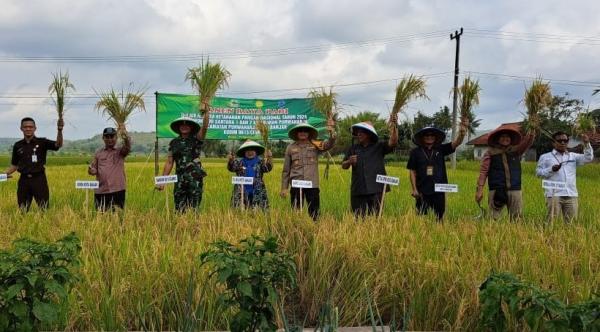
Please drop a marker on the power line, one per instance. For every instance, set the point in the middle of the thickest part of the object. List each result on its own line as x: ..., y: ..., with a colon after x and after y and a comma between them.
x: 227, y: 54
x: 531, y: 78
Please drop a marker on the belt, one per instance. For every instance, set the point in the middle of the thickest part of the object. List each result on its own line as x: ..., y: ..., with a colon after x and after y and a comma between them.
x: 32, y: 175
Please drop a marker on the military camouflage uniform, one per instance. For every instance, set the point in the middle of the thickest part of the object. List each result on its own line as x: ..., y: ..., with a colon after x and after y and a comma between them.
x: 259, y: 198
x: 188, y: 189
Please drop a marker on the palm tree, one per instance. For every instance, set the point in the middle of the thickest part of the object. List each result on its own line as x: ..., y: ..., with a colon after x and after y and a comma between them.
x: 207, y: 79
x: 58, y: 88
x: 118, y: 106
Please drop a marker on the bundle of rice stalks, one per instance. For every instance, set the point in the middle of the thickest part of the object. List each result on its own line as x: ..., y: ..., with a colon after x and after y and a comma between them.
x: 118, y: 106
x: 468, y: 95
x: 409, y: 88
x: 584, y: 124
x: 207, y: 79
x: 325, y: 102
x: 58, y: 89
x: 264, y: 129
x: 537, y: 98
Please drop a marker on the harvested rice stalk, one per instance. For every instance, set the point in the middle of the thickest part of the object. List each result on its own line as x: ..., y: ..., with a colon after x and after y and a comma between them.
x: 584, y: 124
x: 119, y: 106
x: 264, y: 130
x: 538, y: 97
x: 325, y: 102
x: 207, y: 79
x: 468, y: 95
x: 58, y: 89
x: 409, y: 88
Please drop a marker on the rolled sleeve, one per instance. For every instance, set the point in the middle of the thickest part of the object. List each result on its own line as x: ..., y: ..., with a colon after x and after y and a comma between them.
x: 544, y: 168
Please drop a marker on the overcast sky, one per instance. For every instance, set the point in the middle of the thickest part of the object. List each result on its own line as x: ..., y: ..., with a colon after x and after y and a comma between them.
x: 279, y: 49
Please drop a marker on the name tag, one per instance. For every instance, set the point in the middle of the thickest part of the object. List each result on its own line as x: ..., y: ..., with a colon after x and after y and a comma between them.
x: 87, y: 184
x: 34, y: 158
x: 301, y: 184
x: 553, y: 185
x: 387, y: 180
x: 446, y: 188
x: 242, y: 180
x: 3, y: 177
x: 164, y: 179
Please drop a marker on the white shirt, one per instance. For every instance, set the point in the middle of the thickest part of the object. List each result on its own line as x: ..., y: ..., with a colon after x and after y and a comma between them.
x: 567, y: 171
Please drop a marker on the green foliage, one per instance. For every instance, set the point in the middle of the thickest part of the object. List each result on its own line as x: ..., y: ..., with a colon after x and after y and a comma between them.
x: 507, y: 302
x: 35, y: 279
x: 252, y: 274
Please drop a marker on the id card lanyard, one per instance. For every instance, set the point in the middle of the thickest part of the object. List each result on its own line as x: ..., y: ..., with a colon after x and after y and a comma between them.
x: 429, y: 170
x: 34, y: 158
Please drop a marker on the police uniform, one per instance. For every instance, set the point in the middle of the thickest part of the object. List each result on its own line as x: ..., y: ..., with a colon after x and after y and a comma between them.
x: 188, y: 189
x: 30, y: 158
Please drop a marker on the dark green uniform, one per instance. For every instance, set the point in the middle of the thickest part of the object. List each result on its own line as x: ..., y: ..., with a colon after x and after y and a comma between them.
x: 188, y: 189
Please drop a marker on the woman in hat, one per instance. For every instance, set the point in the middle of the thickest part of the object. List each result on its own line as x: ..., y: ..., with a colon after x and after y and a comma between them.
x: 184, y: 153
x: 427, y: 167
x: 249, y: 164
x: 367, y: 161
x: 301, y: 162
x: 501, y: 166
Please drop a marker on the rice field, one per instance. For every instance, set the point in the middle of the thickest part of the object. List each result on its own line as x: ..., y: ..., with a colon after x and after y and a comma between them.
x: 141, y: 271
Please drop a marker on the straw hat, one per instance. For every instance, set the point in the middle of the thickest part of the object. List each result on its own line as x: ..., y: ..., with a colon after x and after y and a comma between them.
x: 293, y: 132
x: 439, y: 135
x: 185, y: 120
x: 366, y: 126
x: 515, y: 136
x: 250, y: 145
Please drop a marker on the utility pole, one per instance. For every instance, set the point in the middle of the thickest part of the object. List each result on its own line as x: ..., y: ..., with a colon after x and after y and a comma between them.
x: 455, y: 36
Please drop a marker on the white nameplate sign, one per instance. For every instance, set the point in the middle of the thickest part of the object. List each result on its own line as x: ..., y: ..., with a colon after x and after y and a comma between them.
x: 164, y: 179
x: 3, y: 177
x: 301, y: 184
x: 87, y: 184
x: 446, y: 188
x: 242, y: 180
x: 553, y: 185
x: 387, y: 180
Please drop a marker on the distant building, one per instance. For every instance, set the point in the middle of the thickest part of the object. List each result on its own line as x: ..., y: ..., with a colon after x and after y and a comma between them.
x: 480, y: 145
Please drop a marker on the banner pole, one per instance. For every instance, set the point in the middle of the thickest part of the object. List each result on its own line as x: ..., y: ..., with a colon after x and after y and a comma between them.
x: 86, y: 204
x: 156, y: 134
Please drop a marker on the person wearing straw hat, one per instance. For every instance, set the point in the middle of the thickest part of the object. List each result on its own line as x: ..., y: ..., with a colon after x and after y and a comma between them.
x: 109, y: 168
x: 560, y: 165
x: 249, y: 164
x: 301, y: 162
x: 501, y: 166
x: 367, y: 161
x: 29, y: 159
x: 184, y: 153
x: 427, y: 166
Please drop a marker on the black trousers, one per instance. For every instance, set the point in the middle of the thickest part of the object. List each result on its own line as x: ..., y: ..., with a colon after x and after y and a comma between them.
x: 109, y: 201
x: 311, y: 199
x: 363, y: 205
x: 435, y: 201
x: 30, y: 187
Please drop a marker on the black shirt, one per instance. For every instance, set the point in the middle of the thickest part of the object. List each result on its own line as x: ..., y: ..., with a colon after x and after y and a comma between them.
x: 421, y: 158
x: 23, y: 154
x: 369, y: 163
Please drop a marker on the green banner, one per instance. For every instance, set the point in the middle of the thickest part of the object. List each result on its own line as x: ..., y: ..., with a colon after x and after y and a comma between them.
x: 235, y: 118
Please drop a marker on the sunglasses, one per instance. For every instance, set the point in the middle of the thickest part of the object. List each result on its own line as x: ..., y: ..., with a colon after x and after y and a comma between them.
x: 563, y: 141
x: 108, y: 136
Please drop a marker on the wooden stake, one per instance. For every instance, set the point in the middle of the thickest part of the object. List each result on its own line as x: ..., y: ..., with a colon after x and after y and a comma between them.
x: 85, y: 204
x: 243, y: 205
x: 301, y: 198
x: 382, y: 199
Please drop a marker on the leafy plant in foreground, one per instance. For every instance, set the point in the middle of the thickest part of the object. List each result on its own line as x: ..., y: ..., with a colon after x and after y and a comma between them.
x: 34, y: 279
x: 252, y: 272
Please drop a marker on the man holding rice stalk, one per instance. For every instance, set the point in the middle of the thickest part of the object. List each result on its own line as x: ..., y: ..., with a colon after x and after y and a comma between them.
x: 109, y: 168
x: 249, y: 164
x: 301, y: 162
x: 367, y: 161
x: 184, y: 151
x: 560, y: 165
x: 501, y: 164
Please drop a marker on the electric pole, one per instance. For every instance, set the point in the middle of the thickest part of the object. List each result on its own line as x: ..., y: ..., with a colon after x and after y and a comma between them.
x: 455, y: 36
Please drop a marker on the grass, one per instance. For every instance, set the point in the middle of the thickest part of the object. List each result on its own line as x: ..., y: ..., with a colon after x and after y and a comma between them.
x: 136, y: 272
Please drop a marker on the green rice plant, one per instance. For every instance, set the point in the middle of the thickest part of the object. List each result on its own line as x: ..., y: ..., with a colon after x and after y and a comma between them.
x: 207, y: 79
x: 59, y: 88
x: 118, y: 106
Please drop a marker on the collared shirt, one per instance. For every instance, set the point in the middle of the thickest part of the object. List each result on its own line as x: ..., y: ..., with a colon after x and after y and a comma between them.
x: 30, y: 157
x: 109, y: 164
x: 421, y: 159
x: 301, y: 162
x: 369, y: 163
x: 567, y: 172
